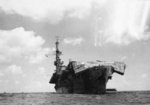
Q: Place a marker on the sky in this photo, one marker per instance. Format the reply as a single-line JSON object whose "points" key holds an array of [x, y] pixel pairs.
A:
{"points": [[89, 30]]}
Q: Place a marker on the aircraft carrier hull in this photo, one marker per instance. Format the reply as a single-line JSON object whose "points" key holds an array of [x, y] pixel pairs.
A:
{"points": [[90, 81]]}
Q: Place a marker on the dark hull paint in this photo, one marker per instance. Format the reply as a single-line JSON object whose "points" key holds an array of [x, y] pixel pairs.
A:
{"points": [[92, 81]]}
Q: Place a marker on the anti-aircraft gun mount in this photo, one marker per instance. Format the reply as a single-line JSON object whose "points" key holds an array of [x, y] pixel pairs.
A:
{"points": [[83, 78]]}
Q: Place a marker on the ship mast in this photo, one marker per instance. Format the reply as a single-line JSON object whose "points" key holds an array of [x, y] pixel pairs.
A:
{"points": [[58, 63]]}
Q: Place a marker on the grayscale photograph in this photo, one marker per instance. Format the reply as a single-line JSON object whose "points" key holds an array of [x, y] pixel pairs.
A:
{"points": [[74, 52]]}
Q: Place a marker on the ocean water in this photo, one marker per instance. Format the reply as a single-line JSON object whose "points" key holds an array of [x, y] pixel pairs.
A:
{"points": [[114, 98]]}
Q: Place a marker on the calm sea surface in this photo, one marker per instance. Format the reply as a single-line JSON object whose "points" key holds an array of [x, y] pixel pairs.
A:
{"points": [[115, 98]]}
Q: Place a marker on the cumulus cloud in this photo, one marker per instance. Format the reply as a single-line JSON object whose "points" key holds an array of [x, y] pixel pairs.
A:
{"points": [[21, 44], [73, 41], [52, 10]]}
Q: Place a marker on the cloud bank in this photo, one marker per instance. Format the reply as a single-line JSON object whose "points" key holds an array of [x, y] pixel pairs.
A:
{"points": [[21, 44], [51, 10], [21, 56], [121, 21]]}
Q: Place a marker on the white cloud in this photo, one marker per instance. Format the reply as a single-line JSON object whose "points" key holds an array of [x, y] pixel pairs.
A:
{"points": [[14, 69], [18, 47], [127, 19], [52, 10], [127, 23], [73, 41], [21, 44]]}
